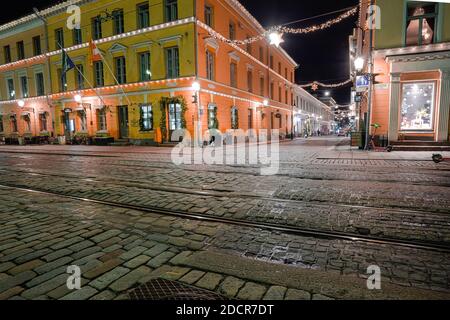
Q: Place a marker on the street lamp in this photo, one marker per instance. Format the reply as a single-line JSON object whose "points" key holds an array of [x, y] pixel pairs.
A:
{"points": [[327, 93], [77, 98], [196, 86], [21, 103], [265, 102], [359, 64]]}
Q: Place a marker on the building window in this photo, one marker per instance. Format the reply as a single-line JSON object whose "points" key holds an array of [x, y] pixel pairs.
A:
{"points": [[272, 91], [248, 46], [20, 50], [83, 120], [40, 88], [261, 54], [121, 70], [97, 28], [118, 23], [233, 74], [210, 65], [175, 113], [1, 124], [271, 62], [62, 80], [143, 15], [232, 30], [234, 118], [421, 24], [286, 96], [250, 80], [101, 119], [59, 39], [7, 53], [209, 16], [145, 67], [11, 90], [99, 75], [212, 116], [43, 122], [37, 50], [77, 37], [171, 10], [279, 93], [24, 86], [14, 127], [250, 118], [79, 77], [146, 118], [417, 106], [27, 120], [261, 86], [172, 63], [279, 68]]}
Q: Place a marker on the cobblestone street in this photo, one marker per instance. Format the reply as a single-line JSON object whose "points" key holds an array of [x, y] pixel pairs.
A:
{"points": [[126, 215]]}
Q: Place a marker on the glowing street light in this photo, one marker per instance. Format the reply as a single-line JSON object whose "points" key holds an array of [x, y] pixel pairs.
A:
{"points": [[21, 103], [359, 63], [327, 93], [276, 38], [196, 86], [77, 98], [266, 102]]}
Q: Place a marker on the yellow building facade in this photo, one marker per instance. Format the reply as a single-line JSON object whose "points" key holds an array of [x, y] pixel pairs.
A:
{"points": [[152, 53]]}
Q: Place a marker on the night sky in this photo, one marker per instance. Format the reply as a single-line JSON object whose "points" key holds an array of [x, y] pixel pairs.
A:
{"points": [[322, 55]]}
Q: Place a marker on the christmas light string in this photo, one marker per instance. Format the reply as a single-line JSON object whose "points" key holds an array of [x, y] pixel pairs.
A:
{"points": [[282, 29], [315, 84]]}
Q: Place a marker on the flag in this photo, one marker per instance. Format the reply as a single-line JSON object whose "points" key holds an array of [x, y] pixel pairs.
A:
{"points": [[95, 53], [67, 63]]}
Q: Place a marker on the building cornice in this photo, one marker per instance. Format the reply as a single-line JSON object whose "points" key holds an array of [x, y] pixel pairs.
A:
{"points": [[431, 48]]}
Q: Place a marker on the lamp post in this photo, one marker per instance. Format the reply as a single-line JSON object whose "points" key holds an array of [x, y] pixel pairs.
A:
{"points": [[196, 88]]}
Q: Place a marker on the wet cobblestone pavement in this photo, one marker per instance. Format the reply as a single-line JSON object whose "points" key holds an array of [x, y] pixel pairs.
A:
{"points": [[118, 248]]}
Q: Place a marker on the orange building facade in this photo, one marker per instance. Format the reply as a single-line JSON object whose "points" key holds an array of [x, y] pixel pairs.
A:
{"points": [[153, 54]]}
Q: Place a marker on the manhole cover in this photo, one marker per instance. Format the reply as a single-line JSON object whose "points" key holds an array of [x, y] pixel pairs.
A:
{"points": [[162, 289]]}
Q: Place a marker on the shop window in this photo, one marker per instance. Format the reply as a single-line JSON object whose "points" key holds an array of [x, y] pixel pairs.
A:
{"points": [[101, 120], [146, 118], [421, 23], [417, 110], [234, 118], [43, 122]]}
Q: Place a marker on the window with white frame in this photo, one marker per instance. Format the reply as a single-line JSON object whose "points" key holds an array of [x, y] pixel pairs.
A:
{"points": [[101, 120], [417, 109], [210, 65], [421, 23], [146, 117]]}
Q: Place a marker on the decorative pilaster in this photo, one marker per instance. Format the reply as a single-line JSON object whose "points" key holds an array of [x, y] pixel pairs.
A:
{"points": [[394, 105], [444, 107]]}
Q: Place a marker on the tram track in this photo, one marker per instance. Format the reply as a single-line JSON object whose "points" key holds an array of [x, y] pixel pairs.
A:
{"points": [[333, 235], [217, 192]]}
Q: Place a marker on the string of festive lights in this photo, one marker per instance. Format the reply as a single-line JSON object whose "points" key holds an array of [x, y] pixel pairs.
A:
{"points": [[275, 34], [315, 84]]}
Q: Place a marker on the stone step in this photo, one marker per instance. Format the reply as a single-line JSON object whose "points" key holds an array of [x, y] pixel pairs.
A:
{"points": [[420, 148], [420, 143]]}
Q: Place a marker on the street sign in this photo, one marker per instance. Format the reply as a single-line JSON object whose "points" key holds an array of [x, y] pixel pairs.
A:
{"points": [[362, 83]]}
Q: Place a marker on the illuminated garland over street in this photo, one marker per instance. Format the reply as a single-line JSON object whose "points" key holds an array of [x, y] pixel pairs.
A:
{"points": [[315, 85], [275, 34]]}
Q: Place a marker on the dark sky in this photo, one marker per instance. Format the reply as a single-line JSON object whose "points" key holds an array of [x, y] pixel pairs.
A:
{"points": [[322, 55]]}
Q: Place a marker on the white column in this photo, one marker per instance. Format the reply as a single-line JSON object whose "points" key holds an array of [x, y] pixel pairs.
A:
{"points": [[394, 105], [444, 107]]}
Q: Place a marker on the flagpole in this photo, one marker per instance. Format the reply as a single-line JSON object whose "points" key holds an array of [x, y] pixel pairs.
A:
{"points": [[115, 79]]}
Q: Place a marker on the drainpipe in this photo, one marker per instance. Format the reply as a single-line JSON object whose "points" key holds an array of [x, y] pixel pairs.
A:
{"points": [[49, 74], [369, 103]]}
